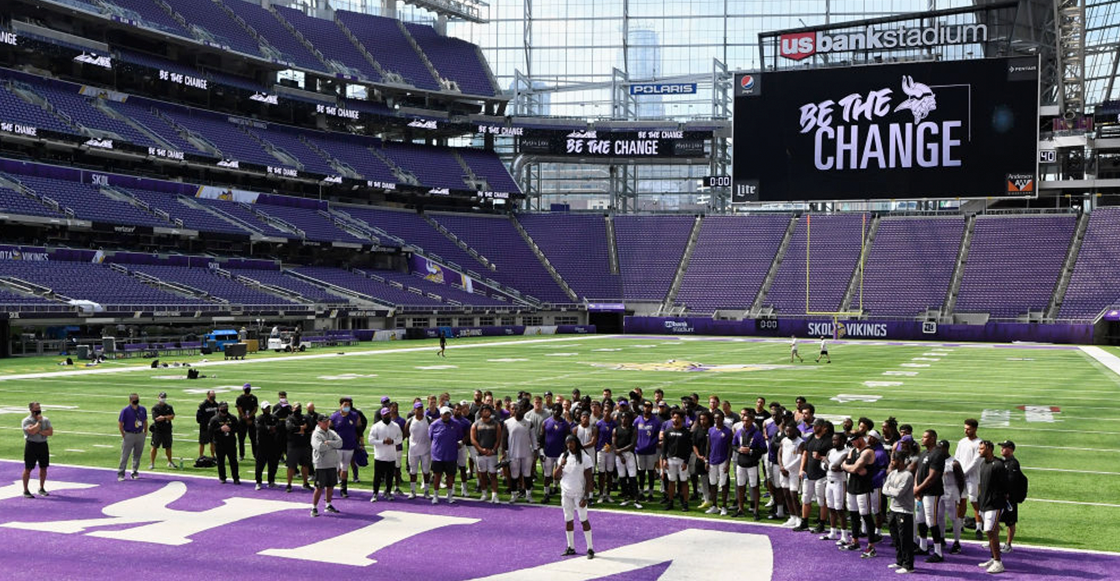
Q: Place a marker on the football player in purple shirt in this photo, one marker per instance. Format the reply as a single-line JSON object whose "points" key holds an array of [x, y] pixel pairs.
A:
{"points": [[718, 462], [555, 430]]}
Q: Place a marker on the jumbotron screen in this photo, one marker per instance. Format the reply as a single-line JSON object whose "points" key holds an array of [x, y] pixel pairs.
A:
{"points": [[964, 129]]}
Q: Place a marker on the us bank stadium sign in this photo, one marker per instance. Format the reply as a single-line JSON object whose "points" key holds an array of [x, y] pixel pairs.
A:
{"points": [[800, 45]]}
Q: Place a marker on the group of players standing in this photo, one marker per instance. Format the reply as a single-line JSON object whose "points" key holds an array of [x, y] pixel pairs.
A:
{"points": [[859, 477]]}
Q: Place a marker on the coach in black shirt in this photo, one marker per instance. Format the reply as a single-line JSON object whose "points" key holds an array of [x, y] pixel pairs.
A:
{"points": [[162, 414]]}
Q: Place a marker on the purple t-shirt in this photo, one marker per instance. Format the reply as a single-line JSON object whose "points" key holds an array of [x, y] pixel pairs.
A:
{"points": [[719, 444], [647, 431], [347, 428], [445, 440], [400, 423], [555, 432], [133, 420], [882, 462], [464, 428], [606, 433]]}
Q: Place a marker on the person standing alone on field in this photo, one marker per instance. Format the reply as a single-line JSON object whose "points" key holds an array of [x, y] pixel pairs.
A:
{"points": [[793, 349], [824, 350], [36, 429], [133, 424], [442, 345], [162, 414]]}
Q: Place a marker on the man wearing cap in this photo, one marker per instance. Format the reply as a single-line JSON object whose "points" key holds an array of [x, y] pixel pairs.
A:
{"points": [[297, 431], [1010, 515], [519, 445], [345, 424], [486, 435], [36, 429], [419, 448], [266, 449], [647, 428], [162, 414], [325, 444], [246, 413], [928, 488], [206, 411], [133, 424], [223, 432], [992, 499], [384, 436], [447, 437]]}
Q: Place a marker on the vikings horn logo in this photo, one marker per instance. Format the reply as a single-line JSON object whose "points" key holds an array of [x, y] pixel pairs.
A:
{"points": [[921, 101]]}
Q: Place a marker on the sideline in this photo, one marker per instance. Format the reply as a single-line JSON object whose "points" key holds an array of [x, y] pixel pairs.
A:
{"points": [[1103, 357], [79, 373]]}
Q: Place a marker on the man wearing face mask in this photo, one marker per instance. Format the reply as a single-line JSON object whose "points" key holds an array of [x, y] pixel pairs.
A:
{"points": [[133, 424], [162, 414], [246, 414], [205, 413], [346, 424], [223, 431], [266, 451], [282, 409], [298, 429], [384, 435]]}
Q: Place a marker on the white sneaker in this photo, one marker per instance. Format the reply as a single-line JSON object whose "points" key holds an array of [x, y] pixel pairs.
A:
{"points": [[151, 466], [427, 494], [171, 465], [389, 496], [904, 571], [986, 564], [723, 511], [411, 495], [789, 524], [529, 497], [435, 500], [482, 497], [712, 510], [1005, 548], [494, 499], [451, 500], [892, 566], [996, 567], [373, 498], [770, 504]]}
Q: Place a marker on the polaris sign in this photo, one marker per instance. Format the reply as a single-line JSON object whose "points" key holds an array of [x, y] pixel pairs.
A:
{"points": [[663, 89], [800, 45]]}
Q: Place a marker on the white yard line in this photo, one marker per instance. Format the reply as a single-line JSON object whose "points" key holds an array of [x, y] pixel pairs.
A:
{"points": [[1104, 504], [305, 357]]}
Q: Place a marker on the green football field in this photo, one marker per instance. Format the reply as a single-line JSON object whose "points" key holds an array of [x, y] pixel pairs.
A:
{"points": [[1059, 405]]}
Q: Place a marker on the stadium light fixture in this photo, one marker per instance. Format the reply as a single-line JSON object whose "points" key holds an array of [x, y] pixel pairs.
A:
{"points": [[475, 11]]}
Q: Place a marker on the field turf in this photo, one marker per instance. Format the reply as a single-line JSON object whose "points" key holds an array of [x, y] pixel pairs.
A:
{"points": [[1069, 454]]}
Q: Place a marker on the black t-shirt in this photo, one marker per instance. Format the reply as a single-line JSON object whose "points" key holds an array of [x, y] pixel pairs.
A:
{"points": [[292, 424], [247, 403], [993, 485], [813, 468], [857, 483], [206, 410], [700, 438], [624, 437], [929, 461], [678, 443], [760, 417], [162, 409]]}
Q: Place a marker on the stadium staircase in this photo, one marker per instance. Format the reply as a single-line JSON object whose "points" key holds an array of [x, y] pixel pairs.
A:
{"points": [[678, 278], [1067, 269], [459, 242], [343, 168], [472, 179], [385, 75], [306, 43], [284, 157], [123, 196], [278, 223], [14, 185], [403, 176], [756, 307], [544, 260], [174, 288], [194, 139], [110, 112], [338, 290], [856, 283], [612, 246], [267, 49], [191, 203], [958, 270], [423, 57]]}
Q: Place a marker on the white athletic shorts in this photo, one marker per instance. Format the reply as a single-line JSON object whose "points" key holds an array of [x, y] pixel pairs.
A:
{"points": [[647, 461], [423, 461], [486, 464], [876, 500], [605, 461], [860, 503], [775, 473], [519, 467], [746, 476], [463, 457], [626, 464], [344, 458], [834, 494], [791, 482], [991, 520], [813, 490], [949, 503], [677, 469], [719, 474], [571, 507], [397, 462], [548, 464], [972, 487]]}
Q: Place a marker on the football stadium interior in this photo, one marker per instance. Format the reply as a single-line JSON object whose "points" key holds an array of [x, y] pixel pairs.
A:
{"points": [[316, 195]]}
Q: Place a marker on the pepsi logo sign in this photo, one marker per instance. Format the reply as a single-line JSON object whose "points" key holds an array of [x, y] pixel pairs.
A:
{"points": [[747, 82]]}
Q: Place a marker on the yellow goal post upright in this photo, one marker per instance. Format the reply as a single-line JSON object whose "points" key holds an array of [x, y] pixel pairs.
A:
{"points": [[835, 315]]}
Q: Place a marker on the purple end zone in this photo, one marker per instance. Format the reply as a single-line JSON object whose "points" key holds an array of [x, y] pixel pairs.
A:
{"points": [[183, 528]]}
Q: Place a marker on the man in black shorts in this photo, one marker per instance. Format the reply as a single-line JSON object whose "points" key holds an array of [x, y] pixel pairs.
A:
{"points": [[206, 410], [36, 430], [1010, 516], [442, 345], [162, 414]]}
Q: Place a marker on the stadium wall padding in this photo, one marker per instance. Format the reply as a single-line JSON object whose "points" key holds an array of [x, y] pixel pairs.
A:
{"points": [[882, 330]]}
